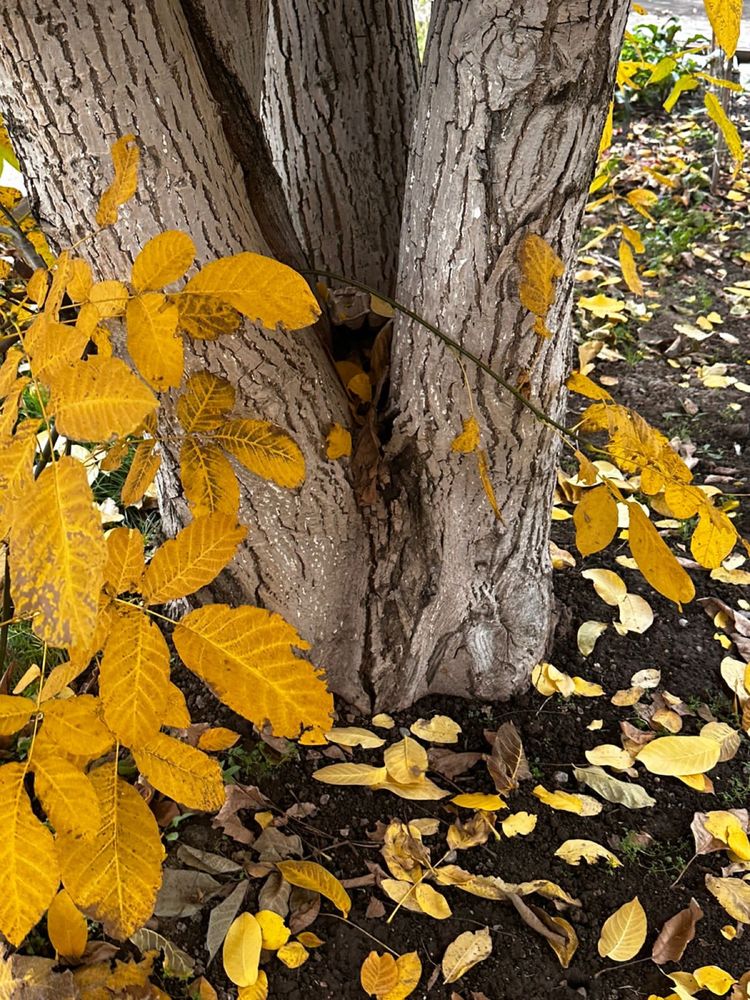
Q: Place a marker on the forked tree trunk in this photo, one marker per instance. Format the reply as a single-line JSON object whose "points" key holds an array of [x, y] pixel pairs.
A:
{"points": [[432, 594], [73, 78], [512, 104], [339, 103]]}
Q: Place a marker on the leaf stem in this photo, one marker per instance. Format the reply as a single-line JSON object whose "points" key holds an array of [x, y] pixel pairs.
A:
{"points": [[7, 612], [395, 304], [350, 923]]}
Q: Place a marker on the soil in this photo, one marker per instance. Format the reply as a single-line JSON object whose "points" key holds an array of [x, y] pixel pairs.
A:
{"points": [[681, 643]]}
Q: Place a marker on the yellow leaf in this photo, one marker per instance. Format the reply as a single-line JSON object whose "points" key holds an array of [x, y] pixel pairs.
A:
{"points": [[176, 713], [115, 876], [28, 859], [264, 449], [519, 823], [353, 736], [634, 238], [685, 82], [75, 725], [274, 931], [181, 772], [338, 443], [125, 563], [478, 800], [728, 129], [293, 955], [420, 898], [714, 537], [309, 875], [378, 974], [204, 317], [603, 307], [258, 991], [245, 656], [406, 761], [208, 479], [595, 519], [726, 827], [100, 398], [608, 585], [484, 478], [623, 933], [109, 298], [732, 893], [680, 755], [217, 739], [606, 140], [468, 439], [641, 200], [572, 851], [564, 801], [725, 17], [15, 712], [141, 473], [163, 260], [712, 978], [540, 268], [584, 386], [609, 755], [134, 678], [57, 555], [66, 927], [655, 560], [52, 347], [351, 774], [153, 341], [629, 269], [260, 288], [66, 793], [125, 159], [424, 790], [80, 280], [310, 940], [438, 729], [241, 950], [192, 559], [409, 970], [204, 404], [464, 953]]}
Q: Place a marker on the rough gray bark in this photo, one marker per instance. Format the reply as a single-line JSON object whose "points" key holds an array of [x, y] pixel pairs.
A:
{"points": [[512, 104], [340, 95], [75, 77], [432, 594]]}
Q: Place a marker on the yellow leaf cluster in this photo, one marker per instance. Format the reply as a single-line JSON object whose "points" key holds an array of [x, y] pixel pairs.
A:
{"points": [[540, 269]]}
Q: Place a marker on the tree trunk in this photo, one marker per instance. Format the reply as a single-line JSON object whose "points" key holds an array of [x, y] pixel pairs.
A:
{"points": [[75, 77], [512, 105], [340, 95]]}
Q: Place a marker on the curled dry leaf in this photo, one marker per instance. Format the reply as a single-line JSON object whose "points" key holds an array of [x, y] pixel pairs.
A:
{"points": [[438, 729], [574, 851], [676, 934], [451, 764], [382, 721], [507, 762], [608, 585], [646, 679], [465, 952], [557, 932], [587, 635], [623, 933]]}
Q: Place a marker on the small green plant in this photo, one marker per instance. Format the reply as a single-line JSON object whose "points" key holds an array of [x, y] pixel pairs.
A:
{"points": [[248, 764]]}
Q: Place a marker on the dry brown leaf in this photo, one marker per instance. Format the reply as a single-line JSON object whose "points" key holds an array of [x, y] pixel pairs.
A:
{"points": [[676, 934]]}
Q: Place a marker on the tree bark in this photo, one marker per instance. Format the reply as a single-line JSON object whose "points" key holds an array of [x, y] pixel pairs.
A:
{"points": [[75, 77], [340, 96], [512, 105]]}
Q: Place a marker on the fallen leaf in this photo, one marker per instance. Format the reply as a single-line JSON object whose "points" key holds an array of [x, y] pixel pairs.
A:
{"points": [[646, 679], [608, 585], [573, 851], [564, 801], [676, 934], [733, 894], [519, 823], [612, 789], [609, 755], [676, 755], [587, 635], [378, 974], [465, 952], [623, 933], [507, 762], [406, 761], [355, 737], [382, 721], [479, 800], [241, 951], [293, 955], [636, 614], [310, 875], [351, 774], [221, 917], [438, 729]]}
